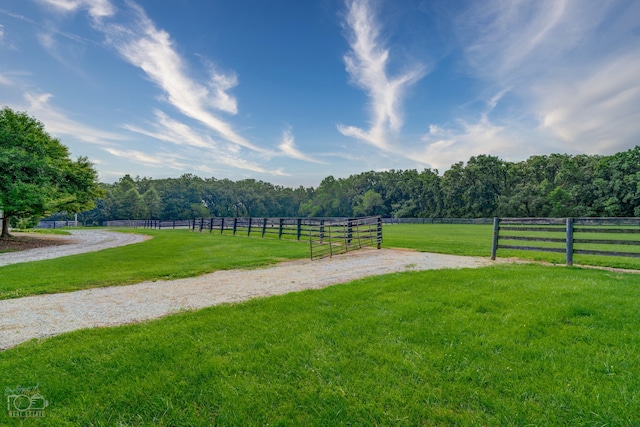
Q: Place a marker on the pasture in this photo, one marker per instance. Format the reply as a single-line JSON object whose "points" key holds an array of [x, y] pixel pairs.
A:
{"points": [[505, 345]]}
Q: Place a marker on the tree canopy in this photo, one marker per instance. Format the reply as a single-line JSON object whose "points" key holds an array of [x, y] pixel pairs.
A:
{"points": [[37, 176], [555, 185]]}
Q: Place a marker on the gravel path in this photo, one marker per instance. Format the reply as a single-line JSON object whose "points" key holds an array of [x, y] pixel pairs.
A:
{"points": [[83, 241], [47, 315]]}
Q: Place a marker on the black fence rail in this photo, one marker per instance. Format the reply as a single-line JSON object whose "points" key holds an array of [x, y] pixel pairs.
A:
{"points": [[586, 236], [390, 221], [333, 237], [288, 222], [282, 228], [56, 224]]}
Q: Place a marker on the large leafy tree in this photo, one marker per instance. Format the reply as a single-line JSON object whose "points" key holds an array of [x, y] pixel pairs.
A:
{"points": [[37, 176]]}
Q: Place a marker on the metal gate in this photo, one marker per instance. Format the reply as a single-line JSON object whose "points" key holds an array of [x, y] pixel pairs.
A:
{"points": [[332, 237]]}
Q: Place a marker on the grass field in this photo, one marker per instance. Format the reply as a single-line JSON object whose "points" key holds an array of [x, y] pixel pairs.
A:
{"points": [[475, 240], [504, 345], [174, 254], [509, 345], [171, 254]]}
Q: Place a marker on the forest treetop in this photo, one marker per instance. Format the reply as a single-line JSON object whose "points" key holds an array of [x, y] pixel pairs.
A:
{"points": [[556, 185]]}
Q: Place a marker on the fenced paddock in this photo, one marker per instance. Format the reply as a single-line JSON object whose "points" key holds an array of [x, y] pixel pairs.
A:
{"points": [[583, 236], [326, 236]]}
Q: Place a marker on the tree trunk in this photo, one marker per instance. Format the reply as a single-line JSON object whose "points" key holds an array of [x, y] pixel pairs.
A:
{"points": [[5, 227]]}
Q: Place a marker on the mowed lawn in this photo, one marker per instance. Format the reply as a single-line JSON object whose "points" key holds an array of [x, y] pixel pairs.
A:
{"points": [[476, 239], [170, 254], [508, 345], [503, 345]]}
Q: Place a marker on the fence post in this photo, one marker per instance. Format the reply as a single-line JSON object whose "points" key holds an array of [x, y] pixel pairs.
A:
{"points": [[249, 228], [264, 226], [280, 228], [299, 228], [193, 227], [494, 245], [211, 225], [221, 224], [235, 225], [569, 241], [379, 232]]}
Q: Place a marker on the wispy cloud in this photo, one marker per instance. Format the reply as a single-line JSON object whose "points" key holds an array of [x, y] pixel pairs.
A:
{"points": [[97, 8], [288, 147], [568, 68], [598, 113], [219, 154], [169, 160], [445, 146], [58, 123], [151, 49], [366, 64], [167, 129]]}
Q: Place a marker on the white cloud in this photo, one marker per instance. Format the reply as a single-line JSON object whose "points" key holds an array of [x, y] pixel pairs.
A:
{"points": [[366, 64], [568, 68], [58, 123], [597, 113], [170, 130], [288, 147], [445, 146], [96, 8], [152, 50], [161, 160]]}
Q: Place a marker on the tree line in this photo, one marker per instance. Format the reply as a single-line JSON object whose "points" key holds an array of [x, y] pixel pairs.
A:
{"points": [[556, 185]]}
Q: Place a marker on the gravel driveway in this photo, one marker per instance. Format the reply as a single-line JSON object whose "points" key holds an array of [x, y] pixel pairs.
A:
{"points": [[82, 241], [46, 315]]}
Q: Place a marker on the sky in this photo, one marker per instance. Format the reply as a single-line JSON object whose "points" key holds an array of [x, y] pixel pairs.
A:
{"points": [[290, 91]]}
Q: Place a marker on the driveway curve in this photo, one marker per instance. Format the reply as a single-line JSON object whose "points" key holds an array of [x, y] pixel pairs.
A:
{"points": [[80, 241]]}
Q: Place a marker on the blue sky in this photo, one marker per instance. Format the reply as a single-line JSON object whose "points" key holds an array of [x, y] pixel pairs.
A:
{"points": [[290, 91]]}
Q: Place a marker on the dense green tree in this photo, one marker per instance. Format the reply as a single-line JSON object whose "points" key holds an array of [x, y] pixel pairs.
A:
{"points": [[484, 186], [37, 175]]}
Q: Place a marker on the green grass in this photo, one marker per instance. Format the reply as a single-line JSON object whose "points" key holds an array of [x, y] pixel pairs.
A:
{"points": [[507, 345], [170, 254], [475, 240]]}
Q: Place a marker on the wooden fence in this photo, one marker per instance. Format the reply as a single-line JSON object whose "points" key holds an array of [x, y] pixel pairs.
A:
{"points": [[543, 231], [333, 237], [189, 223], [389, 221], [282, 228], [326, 236], [56, 224]]}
